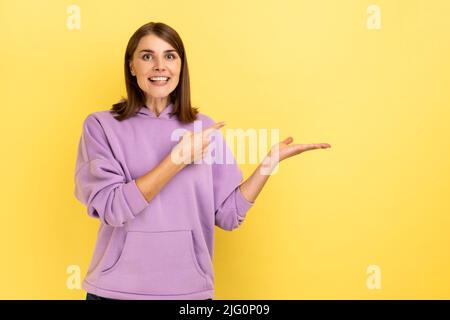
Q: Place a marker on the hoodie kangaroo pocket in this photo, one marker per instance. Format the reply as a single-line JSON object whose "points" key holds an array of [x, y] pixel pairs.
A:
{"points": [[160, 263]]}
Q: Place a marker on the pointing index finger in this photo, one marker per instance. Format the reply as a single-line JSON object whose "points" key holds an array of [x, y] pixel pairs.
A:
{"points": [[215, 126]]}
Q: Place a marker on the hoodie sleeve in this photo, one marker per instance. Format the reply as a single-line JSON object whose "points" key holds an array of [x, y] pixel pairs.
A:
{"points": [[100, 182], [230, 205]]}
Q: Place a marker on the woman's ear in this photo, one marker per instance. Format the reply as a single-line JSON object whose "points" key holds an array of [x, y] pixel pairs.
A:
{"points": [[131, 69]]}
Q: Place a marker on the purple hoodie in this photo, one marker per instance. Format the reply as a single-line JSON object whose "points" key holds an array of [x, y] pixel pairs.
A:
{"points": [[162, 249]]}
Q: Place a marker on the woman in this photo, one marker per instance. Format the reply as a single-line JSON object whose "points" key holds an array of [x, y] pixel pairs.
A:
{"points": [[156, 196]]}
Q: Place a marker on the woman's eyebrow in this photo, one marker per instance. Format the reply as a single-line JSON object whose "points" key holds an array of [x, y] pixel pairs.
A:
{"points": [[149, 50]]}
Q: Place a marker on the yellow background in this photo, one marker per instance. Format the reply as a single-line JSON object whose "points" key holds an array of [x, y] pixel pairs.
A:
{"points": [[381, 98]]}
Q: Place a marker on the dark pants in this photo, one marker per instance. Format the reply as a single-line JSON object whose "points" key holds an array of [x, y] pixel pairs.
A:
{"points": [[91, 296]]}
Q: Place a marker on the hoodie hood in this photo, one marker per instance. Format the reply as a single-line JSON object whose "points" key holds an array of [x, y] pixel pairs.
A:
{"points": [[165, 114]]}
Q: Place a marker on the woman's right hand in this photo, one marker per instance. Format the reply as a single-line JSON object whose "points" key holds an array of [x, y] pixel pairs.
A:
{"points": [[192, 146]]}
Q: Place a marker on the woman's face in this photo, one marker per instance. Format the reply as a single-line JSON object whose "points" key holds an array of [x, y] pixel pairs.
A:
{"points": [[155, 57]]}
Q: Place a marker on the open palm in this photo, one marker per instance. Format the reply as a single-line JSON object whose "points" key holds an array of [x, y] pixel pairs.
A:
{"points": [[286, 149]]}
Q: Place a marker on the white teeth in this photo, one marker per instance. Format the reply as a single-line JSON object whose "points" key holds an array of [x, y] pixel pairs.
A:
{"points": [[158, 78]]}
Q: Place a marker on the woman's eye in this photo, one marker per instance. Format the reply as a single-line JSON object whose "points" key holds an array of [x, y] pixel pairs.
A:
{"points": [[169, 55]]}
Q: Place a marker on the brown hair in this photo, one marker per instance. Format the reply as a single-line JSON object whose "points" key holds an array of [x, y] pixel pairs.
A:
{"points": [[180, 96]]}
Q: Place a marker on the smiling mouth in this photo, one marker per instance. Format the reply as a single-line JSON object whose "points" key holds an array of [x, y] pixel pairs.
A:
{"points": [[159, 80]]}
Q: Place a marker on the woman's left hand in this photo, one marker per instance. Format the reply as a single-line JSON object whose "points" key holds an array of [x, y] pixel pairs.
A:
{"points": [[285, 149]]}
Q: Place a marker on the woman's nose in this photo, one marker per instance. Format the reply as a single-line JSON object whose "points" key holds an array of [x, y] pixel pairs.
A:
{"points": [[159, 64]]}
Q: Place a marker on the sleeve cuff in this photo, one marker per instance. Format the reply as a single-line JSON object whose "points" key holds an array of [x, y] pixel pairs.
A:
{"points": [[134, 197]]}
